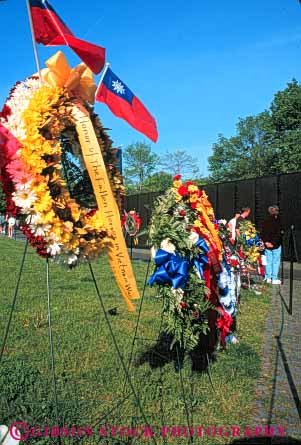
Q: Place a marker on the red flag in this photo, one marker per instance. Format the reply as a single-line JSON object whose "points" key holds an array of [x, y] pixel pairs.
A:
{"points": [[124, 104], [50, 30]]}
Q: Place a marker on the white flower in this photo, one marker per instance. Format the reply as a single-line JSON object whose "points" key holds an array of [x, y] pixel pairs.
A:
{"points": [[39, 229], [179, 294], [32, 216], [54, 248], [24, 198], [193, 237], [168, 246], [222, 221], [23, 186], [18, 102]]}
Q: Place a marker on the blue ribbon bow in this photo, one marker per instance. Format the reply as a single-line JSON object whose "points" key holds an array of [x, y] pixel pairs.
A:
{"points": [[171, 268]]}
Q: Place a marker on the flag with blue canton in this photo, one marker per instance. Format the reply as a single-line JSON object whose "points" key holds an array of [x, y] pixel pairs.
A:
{"points": [[124, 104]]}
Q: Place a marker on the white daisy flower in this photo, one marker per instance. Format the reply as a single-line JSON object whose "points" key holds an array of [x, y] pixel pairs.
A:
{"points": [[23, 186], [32, 216], [18, 102], [54, 248], [39, 229], [24, 198]]}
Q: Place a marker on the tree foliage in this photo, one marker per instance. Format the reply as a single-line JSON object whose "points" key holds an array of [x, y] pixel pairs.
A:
{"points": [[266, 144], [180, 162], [158, 182], [140, 163], [146, 171]]}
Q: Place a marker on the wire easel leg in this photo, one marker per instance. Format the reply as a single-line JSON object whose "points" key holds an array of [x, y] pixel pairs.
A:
{"points": [[137, 325], [51, 347], [183, 394], [125, 370], [139, 315], [14, 301]]}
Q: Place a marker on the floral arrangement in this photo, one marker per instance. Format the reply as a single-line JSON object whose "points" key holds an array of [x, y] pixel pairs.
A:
{"points": [[38, 139], [131, 222], [233, 254], [250, 242], [187, 250]]}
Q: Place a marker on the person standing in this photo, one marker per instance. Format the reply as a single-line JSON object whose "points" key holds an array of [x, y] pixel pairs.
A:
{"points": [[244, 214], [11, 225], [232, 225], [271, 237], [2, 222]]}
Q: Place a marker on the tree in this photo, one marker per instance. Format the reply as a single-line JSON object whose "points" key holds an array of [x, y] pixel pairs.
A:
{"points": [[2, 200], [158, 182], [265, 144], [286, 117], [180, 162], [140, 163]]}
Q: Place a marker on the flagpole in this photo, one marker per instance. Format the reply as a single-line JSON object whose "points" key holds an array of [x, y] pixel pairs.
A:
{"points": [[102, 77], [35, 50]]}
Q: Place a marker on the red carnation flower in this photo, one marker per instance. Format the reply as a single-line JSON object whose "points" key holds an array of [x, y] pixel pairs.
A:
{"points": [[183, 190], [177, 177], [182, 213], [234, 262], [6, 111], [183, 305]]}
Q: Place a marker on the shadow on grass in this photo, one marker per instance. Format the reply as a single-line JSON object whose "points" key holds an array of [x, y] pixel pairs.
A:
{"points": [[161, 354], [267, 441]]}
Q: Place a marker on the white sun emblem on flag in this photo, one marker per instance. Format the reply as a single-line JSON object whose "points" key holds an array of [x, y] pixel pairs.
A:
{"points": [[118, 87]]}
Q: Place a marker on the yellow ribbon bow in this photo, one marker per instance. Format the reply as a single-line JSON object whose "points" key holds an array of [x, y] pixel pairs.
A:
{"points": [[79, 79]]}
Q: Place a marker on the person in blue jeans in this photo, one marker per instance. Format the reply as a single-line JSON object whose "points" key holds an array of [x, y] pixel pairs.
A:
{"points": [[271, 236]]}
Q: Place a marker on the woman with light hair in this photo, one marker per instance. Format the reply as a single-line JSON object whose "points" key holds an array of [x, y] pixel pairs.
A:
{"points": [[271, 236]]}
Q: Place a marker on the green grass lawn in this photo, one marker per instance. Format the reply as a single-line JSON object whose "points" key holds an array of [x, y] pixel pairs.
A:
{"points": [[89, 376]]}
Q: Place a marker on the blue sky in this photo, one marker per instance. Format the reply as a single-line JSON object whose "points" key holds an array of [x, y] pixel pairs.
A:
{"points": [[197, 65]]}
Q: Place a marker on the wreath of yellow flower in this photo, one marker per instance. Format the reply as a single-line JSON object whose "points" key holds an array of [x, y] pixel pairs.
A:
{"points": [[250, 241], [70, 232]]}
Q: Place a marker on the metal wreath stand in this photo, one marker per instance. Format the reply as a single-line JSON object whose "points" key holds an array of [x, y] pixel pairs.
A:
{"points": [[128, 385]]}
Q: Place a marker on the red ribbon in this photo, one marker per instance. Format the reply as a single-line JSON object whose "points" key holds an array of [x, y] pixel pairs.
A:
{"points": [[224, 323]]}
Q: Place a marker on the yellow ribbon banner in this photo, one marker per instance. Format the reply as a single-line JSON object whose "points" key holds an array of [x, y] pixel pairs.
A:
{"points": [[79, 80], [118, 254]]}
